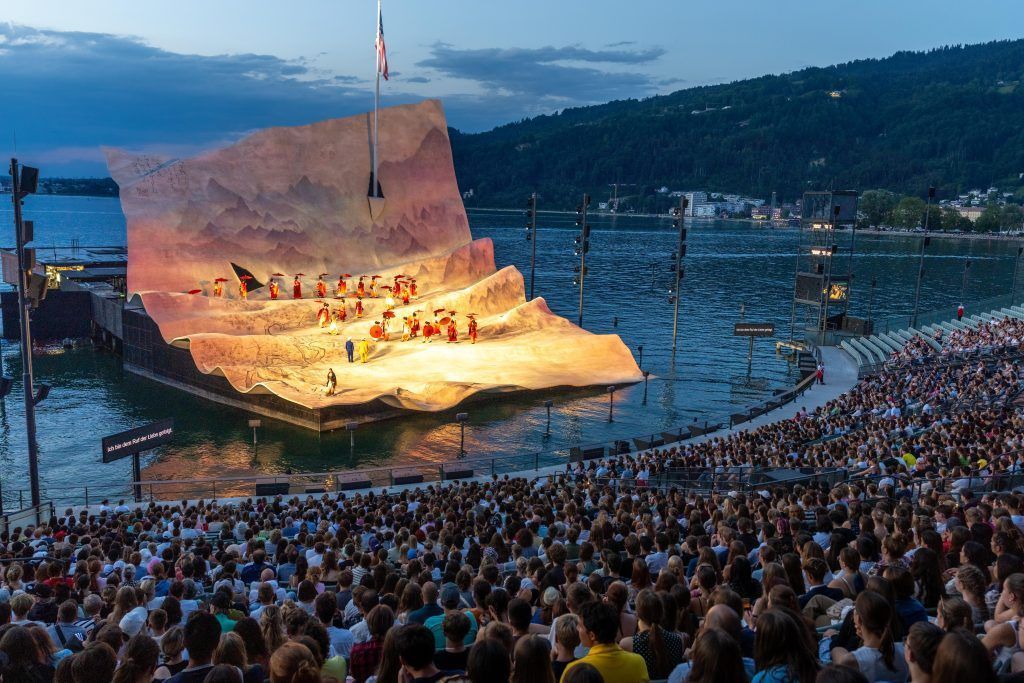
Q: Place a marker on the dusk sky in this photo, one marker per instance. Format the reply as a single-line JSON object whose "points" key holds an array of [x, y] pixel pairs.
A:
{"points": [[179, 77]]}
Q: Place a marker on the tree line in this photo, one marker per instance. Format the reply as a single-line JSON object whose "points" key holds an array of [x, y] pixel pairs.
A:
{"points": [[880, 208]]}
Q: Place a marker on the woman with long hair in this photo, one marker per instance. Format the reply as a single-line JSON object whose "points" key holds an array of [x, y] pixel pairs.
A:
{"points": [[532, 661], [256, 652], [139, 663], [971, 583], [661, 649], [617, 596], [410, 601], [927, 573], [962, 657], [781, 650], [390, 668], [24, 659], [716, 658], [880, 657], [272, 626]]}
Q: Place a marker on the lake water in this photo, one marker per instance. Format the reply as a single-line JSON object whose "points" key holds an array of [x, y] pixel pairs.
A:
{"points": [[728, 263]]}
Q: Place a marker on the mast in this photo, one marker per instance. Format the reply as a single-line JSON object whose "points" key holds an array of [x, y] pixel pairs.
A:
{"points": [[376, 102]]}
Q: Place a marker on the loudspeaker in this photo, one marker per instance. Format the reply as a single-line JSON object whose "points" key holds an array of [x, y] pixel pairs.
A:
{"points": [[35, 289], [275, 488], [29, 180]]}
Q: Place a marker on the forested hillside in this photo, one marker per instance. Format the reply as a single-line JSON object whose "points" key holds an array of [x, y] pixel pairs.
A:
{"points": [[951, 117]]}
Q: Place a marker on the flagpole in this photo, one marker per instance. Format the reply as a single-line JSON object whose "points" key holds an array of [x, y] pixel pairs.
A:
{"points": [[376, 103]]}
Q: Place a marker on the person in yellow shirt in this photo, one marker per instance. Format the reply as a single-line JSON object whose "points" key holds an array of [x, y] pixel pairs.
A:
{"points": [[598, 627]]}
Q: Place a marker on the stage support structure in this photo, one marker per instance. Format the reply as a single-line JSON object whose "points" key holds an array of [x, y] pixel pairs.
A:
{"points": [[680, 253]]}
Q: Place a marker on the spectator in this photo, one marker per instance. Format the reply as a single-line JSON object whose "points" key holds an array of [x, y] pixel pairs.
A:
{"points": [[567, 639], [293, 663], [598, 629], [366, 656], [532, 661], [781, 650], [961, 657], [922, 642], [202, 634], [661, 650], [414, 644], [454, 655], [879, 658], [138, 665]]}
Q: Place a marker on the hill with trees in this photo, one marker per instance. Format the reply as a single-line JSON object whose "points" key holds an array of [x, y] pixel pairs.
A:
{"points": [[950, 118]]}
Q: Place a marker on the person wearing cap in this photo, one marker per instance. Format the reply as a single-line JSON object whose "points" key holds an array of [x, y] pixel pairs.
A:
{"points": [[43, 610], [451, 601], [350, 350]]}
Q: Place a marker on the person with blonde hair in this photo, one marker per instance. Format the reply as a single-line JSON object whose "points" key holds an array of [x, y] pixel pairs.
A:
{"points": [[293, 663], [139, 663], [172, 645]]}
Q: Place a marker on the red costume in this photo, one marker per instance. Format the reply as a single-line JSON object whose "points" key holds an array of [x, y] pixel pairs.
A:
{"points": [[243, 289], [342, 313], [428, 331], [405, 296], [412, 289], [414, 327], [342, 286], [275, 289], [321, 289], [323, 316], [472, 330], [359, 308], [218, 289], [361, 289], [453, 331], [296, 289]]}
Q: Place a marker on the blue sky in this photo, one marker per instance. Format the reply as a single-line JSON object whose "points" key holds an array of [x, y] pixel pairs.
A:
{"points": [[183, 76]]}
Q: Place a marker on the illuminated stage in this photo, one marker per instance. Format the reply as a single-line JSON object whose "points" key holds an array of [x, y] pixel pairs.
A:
{"points": [[294, 200]]}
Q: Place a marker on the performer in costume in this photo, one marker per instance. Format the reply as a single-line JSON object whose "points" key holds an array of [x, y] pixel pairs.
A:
{"points": [[363, 349], [405, 295], [275, 289], [412, 288], [333, 329], [342, 287], [243, 290], [453, 331], [218, 289], [342, 313], [321, 288], [359, 308], [384, 326], [361, 288], [323, 316], [472, 330], [389, 302], [296, 288], [414, 326], [428, 332], [406, 334], [332, 382], [374, 288]]}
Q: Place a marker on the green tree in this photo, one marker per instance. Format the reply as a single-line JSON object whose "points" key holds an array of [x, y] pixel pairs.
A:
{"points": [[877, 207], [1010, 217], [952, 220], [989, 220], [909, 213]]}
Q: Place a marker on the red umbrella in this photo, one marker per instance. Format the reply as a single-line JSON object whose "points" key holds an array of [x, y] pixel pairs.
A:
{"points": [[300, 275], [346, 274], [245, 277], [220, 279], [389, 314], [387, 287], [194, 291], [376, 276], [444, 321], [451, 312], [277, 275], [438, 310], [471, 314], [323, 274]]}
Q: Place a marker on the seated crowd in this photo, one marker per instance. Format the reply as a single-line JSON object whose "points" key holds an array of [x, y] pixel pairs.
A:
{"points": [[1004, 332], [908, 568]]}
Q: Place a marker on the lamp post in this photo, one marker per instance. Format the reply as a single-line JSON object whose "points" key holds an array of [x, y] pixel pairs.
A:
{"points": [[254, 425], [351, 427], [680, 253], [925, 241], [24, 180], [461, 419], [582, 247], [647, 374], [547, 431], [640, 351], [531, 236], [611, 402]]}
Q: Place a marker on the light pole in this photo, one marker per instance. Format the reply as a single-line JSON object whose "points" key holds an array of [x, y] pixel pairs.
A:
{"points": [[255, 424], [1016, 267], [351, 427], [461, 419], [647, 374], [24, 180], [582, 247], [611, 402], [680, 253], [925, 241], [547, 431], [963, 286], [640, 350], [531, 236]]}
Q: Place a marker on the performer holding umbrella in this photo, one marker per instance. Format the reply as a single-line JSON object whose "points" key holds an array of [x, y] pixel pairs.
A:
{"points": [[412, 287], [297, 286], [359, 307], [453, 330], [218, 286], [472, 328], [361, 287], [274, 286], [321, 286], [342, 284], [323, 316], [414, 324], [374, 291], [387, 317], [243, 286]]}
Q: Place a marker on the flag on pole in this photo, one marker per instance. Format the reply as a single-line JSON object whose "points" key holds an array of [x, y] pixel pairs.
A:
{"points": [[382, 52]]}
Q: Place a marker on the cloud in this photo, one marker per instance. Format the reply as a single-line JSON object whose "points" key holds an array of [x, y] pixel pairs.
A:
{"points": [[621, 43], [552, 73], [73, 91], [417, 79]]}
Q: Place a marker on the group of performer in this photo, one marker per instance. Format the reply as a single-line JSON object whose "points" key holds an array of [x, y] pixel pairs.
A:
{"points": [[404, 288]]}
